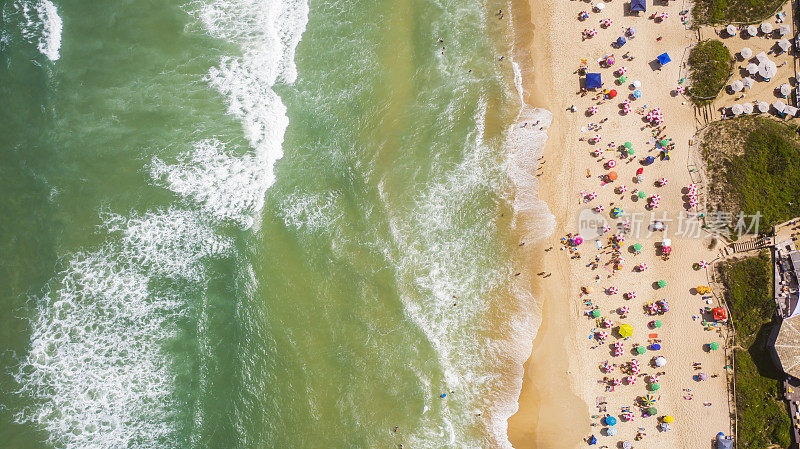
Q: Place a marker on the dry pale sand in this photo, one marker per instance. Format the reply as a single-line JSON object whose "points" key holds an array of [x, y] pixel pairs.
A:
{"points": [[561, 383]]}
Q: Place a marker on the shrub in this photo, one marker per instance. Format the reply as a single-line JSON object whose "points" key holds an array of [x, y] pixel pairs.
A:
{"points": [[711, 65]]}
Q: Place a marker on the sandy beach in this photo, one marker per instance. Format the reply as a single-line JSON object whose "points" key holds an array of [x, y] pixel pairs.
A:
{"points": [[558, 406]]}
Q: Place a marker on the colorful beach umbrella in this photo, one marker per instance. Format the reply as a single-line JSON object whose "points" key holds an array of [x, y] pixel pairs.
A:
{"points": [[622, 79], [612, 93], [611, 164], [610, 420], [649, 399], [628, 145], [668, 419], [652, 411]]}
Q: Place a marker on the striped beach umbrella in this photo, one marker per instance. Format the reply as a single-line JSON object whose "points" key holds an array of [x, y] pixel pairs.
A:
{"points": [[626, 108], [607, 323], [634, 362], [622, 188], [636, 370], [591, 32], [592, 110], [655, 198], [693, 203], [616, 382], [702, 264], [662, 182], [591, 195], [612, 290], [653, 378], [599, 208], [623, 310], [653, 307], [622, 70], [663, 16], [680, 90], [597, 138], [611, 164], [606, 228], [630, 295], [642, 266], [602, 335], [607, 367], [630, 380], [692, 187], [606, 23], [583, 15], [628, 416]]}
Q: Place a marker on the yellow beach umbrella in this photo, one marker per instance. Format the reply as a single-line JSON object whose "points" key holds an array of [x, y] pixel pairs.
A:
{"points": [[626, 330], [668, 419]]}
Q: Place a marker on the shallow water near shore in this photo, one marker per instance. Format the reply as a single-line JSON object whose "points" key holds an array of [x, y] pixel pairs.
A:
{"points": [[258, 224]]}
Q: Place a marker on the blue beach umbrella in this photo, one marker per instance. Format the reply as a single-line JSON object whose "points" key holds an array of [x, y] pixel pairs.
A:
{"points": [[611, 431], [592, 440], [663, 59], [638, 6], [593, 81], [621, 41], [655, 346], [637, 93], [610, 421]]}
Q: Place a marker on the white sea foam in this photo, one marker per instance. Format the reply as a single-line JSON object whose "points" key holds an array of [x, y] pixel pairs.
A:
{"points": [[310, 212], [96, 369], [229, 186], [43, 26]]}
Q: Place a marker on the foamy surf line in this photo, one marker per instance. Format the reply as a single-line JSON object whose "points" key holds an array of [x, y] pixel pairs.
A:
{"points": [[97, 370]]}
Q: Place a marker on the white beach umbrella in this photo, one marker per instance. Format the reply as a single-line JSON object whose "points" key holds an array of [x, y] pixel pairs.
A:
{"points": [[752, 68], [746, 52], [666, 242], [731, 30], [737, 109], [762, 106], [748, 108], [767, 69], [783, 29], [766, 27], [748, 82], [790, 110], [752, 30], [600, 6], [660, 361], [737, 85], [784, 44], [779, 106], [785, 89], [637, 84]]}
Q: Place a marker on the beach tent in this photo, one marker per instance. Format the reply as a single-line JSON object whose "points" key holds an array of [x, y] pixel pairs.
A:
{"points": [[663, 58], [752, 68], [784, 44], [783, 29], [779, 106], [719, 314], [593, 81], [638, 5], [723, 442], [790, 110], [592, 440], [761, 57], [748, 82]]}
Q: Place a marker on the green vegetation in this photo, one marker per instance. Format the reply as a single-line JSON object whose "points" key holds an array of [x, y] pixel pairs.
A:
{"points": [[754, 167], [724, 11], [763, 418], [711, 65]]}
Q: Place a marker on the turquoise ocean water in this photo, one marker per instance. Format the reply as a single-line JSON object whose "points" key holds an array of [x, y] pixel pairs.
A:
{"points": [[258, 224]]}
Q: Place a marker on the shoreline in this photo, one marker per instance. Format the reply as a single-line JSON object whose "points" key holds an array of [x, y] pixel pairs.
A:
{"points": [[538, 423]]}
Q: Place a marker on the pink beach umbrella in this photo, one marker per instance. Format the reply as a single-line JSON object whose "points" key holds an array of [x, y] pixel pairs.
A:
{"points": [[611, 164], [642, 267], [607, 323], [599, 208], [602, 335], [592, 110], [616, 382], [606, 228], [612, 290], [597, 138], [630, 295], [702, 264], [653, 378], [621, 70], [626, 108], [591, 195], [662, 182], [628, 416], [605, 23], [663, 16], [630, 380], [624, 309], [653, 307], [680, 90]]}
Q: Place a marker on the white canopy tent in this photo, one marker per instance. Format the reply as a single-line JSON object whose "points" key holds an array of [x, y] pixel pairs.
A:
{"points": [[748, 108], [737, 86], [766, 27], [746, 52], [737, 109]]}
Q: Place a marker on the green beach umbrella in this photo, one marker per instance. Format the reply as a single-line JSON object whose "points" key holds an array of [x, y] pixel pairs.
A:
{"points": [[662, 284], [596, 313], [623, 78], [641, 194], [637, 247], [654, 386], [664, 142], [640, 350], [652, 411], [714, 346], [628, 145], [631, 152], [657, 323]]}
